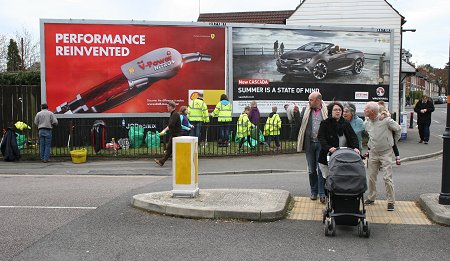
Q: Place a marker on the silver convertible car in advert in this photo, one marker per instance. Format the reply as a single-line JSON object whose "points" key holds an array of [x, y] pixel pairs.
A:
{"points": [[319, 59]]}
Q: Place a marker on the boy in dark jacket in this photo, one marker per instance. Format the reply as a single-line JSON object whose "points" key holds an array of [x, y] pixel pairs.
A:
{"points": [[174, 128]]}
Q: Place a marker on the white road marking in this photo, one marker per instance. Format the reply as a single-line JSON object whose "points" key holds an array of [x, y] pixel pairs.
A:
{"points": [[48, 207]]}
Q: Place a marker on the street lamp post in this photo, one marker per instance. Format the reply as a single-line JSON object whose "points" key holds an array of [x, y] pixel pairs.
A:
{"points": [[444, 197]]}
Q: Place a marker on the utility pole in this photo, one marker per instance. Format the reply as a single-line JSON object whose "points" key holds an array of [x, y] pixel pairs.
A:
{"points": [[444, 197], [23, 64]]}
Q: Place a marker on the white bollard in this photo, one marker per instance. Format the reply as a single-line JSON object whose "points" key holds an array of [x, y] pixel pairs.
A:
{"points": [[185, 166]]}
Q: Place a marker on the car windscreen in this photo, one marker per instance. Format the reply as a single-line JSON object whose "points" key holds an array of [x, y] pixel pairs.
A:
{"points": [[314, 47]]}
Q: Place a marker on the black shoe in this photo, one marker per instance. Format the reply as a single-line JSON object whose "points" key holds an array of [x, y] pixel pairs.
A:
{"points": [[313, 197], [420, 141], [390, 207], [369, 202], [425, 142]]}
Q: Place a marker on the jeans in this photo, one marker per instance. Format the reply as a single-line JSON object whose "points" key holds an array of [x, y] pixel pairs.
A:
{"points": [[424, 131], [276, 138], [224, 131], [196, 131], [45, 143], [316, 181]]}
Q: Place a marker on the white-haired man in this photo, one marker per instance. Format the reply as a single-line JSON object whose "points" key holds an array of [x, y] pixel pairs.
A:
{"points": [[380, 142]]}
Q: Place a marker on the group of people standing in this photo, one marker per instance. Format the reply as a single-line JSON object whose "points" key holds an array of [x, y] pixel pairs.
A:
{"points": [[323, 129], [248, 127], [320, 131], [190, 119]]}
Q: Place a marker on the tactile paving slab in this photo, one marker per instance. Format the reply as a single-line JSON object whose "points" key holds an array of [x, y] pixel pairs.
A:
{"points": [[406, 212]]}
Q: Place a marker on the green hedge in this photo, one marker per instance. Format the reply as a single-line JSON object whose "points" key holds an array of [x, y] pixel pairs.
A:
{"points": [[20, 78]]}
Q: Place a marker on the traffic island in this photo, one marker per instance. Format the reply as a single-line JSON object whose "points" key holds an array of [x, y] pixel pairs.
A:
{"points": [[435, 211], [247, 204]]}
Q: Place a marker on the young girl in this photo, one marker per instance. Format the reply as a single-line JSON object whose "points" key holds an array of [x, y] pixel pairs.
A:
{"points": [[243, 128], [186, 126]]}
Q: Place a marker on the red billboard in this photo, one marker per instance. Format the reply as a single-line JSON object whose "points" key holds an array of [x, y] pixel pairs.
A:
{"points": [[124, 68]]}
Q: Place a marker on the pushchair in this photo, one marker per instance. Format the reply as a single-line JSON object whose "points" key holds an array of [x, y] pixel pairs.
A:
{"points": [[345, 187]]}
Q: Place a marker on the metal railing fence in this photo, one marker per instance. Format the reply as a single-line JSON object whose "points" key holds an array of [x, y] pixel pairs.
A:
{"points": [[144, 140]]}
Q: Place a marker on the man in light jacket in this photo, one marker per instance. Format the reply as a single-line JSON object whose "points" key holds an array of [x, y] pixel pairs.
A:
{"points": [[380, 142], [314, 113]]}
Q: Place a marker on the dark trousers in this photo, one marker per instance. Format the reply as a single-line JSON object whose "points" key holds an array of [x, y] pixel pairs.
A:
{"points": [[424, 131], [197, 131], [276, 138], [168, 152], [241, 142], [293, 134], [224, 132]]}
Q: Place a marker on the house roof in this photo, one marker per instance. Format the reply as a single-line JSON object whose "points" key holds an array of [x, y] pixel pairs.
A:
{"points": [[261, 17], [264, 17], [408, 68]]}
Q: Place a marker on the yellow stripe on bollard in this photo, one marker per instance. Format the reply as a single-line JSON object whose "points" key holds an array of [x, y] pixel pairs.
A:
{"points": [[183, 166]]}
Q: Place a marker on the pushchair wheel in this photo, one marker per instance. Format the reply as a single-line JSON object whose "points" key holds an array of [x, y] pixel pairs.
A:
{"points": [[330, 227], [363, 229]]}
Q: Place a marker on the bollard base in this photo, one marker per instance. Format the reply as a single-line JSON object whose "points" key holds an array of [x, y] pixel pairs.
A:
{"points": [[185, 193], [444, 198]]}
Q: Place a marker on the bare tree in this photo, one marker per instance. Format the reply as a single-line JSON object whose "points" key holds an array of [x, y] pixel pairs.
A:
{"points": [[29, 51], [3, 52]]}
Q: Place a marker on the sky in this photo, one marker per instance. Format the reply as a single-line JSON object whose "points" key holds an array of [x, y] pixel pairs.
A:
{"points": [[428, 45]]}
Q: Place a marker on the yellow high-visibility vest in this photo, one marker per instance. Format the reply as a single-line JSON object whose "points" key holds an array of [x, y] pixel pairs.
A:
{"points": [[244, 126], [198, 111], [223, 112], [273, 125]]}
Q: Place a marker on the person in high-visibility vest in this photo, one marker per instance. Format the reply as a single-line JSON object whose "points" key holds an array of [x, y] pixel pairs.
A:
{"points": [[198, 114], [244, 127], [272, 128], [223, 112]]}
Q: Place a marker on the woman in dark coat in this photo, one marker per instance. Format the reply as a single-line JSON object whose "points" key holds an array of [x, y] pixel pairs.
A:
{"points": [[335, 132]]}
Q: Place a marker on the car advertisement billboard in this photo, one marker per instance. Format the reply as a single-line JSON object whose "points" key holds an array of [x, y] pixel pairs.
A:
{"points": [[128, 68], [276, 66]]}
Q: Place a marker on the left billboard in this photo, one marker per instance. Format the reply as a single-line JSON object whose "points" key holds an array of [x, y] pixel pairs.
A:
{"points": [[128, 68]]}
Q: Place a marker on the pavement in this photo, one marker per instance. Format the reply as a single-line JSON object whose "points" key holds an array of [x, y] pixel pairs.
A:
{"points": [[410, 150]]}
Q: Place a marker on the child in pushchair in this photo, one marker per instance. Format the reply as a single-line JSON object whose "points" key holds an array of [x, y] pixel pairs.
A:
{"points": [[345, 186]]}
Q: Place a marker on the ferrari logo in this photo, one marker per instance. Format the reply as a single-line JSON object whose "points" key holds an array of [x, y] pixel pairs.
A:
{"points": [[213, 36], [131, 70]]}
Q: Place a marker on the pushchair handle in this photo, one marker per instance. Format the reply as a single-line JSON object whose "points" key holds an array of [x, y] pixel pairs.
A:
{"points": [[337, 148]]}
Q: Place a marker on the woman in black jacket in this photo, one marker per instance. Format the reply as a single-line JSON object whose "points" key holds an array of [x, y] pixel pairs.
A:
{"points": [[335, 132]]}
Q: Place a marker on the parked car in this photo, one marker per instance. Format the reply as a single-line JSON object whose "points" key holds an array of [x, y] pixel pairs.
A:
{"points": [[438, 99], [319, 59], [444, 98]]}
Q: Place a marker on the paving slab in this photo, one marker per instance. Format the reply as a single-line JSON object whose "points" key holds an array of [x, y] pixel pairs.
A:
{"points": [[248, 204], [406, 212]]}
